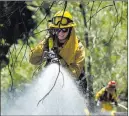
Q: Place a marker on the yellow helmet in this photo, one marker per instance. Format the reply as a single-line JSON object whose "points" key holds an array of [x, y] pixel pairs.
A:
{"points": [[62, 20]]}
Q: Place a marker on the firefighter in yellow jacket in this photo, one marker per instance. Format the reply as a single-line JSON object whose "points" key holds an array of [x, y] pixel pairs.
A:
{"points": [[64, 42], [107, 96]]}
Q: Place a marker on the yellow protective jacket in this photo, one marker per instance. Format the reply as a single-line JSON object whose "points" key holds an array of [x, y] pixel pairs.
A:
{"points": [[102, 96], [106, 102], [72, 53]]}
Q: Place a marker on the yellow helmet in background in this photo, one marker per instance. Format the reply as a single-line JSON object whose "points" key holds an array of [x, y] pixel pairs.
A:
{"points": [[62, 20]]}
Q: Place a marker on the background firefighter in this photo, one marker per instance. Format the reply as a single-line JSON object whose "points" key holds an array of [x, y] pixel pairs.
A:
{"points": [[107, 96]]}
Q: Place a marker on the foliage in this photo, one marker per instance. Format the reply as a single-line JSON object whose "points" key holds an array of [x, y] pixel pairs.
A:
{"points": [[107, 29], [108, 48], [19, 68]]}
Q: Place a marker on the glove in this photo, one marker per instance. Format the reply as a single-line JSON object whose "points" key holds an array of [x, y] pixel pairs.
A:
{"points": [[49, 55]]}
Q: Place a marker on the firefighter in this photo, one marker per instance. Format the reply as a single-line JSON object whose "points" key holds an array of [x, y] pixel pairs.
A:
{"points": [[64, 42], [106, 96]]}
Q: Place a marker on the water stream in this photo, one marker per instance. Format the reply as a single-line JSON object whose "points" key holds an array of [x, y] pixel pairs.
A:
{"points": [[64, 99]]}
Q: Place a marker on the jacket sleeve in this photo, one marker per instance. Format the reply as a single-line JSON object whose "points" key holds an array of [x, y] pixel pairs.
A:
{"points": [[77, 66], [99, 94], [36, 54]]}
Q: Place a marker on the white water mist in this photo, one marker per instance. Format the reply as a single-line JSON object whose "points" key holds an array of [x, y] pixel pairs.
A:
{"points": [[64, 99]]}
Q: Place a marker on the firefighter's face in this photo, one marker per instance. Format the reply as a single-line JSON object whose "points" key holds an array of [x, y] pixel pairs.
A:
{"points": [[62, 34]]}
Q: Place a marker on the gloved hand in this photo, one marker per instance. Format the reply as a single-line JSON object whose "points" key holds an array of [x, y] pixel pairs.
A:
{"points": [[49, 55]]}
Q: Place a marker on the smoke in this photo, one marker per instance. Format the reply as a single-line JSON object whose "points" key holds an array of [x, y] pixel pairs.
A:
{"points": [[64, 99]]}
